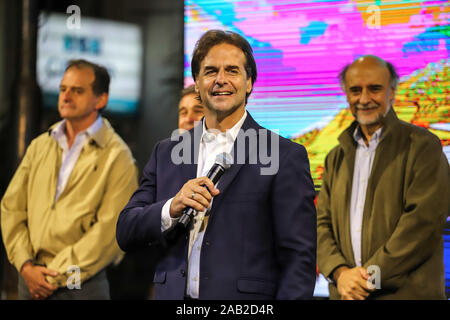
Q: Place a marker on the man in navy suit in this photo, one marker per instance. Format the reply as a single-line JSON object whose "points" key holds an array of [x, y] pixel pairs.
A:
{"points": [[254, 233]]}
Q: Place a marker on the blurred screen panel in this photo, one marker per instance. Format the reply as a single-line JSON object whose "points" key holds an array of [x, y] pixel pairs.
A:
{"points": [[115, 45]]}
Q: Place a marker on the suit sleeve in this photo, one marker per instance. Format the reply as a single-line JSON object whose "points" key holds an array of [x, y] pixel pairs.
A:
{"points": [[14, 214], [329, 255], [139, 223], [294, 218], [419, 229], [98, 247]]}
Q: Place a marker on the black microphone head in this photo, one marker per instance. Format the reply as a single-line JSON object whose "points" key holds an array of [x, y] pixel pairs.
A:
{"points": [[224, 160]]}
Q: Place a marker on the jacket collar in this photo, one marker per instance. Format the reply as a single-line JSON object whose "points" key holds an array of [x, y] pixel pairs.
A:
{"points": [[233, 171], [101, 137], [196, 134], [190, 170], [390, 122]]}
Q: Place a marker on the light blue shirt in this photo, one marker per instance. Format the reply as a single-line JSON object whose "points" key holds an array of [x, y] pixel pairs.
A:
{"points": [[363, 166], [70, 156]]}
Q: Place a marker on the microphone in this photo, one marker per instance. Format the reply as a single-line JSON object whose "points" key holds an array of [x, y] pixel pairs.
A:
{"points": [[222, 163]]}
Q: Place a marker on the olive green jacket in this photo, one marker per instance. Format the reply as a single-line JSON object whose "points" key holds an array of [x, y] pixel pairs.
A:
{"points": [[79, 228], [407, 202]]}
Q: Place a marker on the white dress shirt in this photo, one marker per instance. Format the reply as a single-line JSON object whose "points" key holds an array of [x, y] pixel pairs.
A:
{"points": [[212, 143], [363, 166], [70, 156]]}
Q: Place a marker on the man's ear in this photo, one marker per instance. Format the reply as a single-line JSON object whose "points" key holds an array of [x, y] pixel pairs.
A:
{"points": [[249, 85], [196, 86], [392, 95], [102, 100]]}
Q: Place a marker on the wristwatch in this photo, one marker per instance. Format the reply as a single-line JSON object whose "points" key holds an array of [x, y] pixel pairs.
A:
{"points": [[331, 280], [330, 277]]}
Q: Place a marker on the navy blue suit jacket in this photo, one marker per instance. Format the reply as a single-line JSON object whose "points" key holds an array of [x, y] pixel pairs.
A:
{"points": [[260, 242]]}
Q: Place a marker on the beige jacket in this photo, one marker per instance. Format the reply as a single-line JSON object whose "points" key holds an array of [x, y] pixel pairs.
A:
{"points": [[79, 228]]}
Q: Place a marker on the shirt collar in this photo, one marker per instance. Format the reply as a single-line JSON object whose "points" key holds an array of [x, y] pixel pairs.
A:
{"points": [[93, 129], [59, 130], [230, 134], [357, 135]]}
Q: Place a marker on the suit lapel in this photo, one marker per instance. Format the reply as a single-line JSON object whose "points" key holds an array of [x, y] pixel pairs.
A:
{"points": [[387, 150], [189, 170], [349, 148], [238, 162]]}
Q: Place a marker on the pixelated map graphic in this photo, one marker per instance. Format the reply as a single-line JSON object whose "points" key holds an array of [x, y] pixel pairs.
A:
{"points": [[301, 46]]}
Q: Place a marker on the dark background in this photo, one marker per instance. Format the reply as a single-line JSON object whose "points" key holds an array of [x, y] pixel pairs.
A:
{"points": [[161, 23]]}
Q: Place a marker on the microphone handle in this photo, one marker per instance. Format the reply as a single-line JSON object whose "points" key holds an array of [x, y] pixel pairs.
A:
{"points": [[188, 214], [215, 173]]}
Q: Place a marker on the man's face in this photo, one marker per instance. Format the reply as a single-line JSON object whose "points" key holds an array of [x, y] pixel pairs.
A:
{"points": [[76, 100], [368, 89], [222, 81], [189, 111]]}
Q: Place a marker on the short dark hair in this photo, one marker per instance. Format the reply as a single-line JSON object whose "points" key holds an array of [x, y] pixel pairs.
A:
{"points": [[102, 79], [214, 37], [392, 71], [188, 90]]}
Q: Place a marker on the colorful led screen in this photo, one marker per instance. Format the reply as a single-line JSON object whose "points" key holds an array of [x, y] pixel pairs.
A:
{"points": [[301, 46]]}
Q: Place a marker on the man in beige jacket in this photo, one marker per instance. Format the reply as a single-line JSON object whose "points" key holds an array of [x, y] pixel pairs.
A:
{"points": [[59, 213], [384, 198]]}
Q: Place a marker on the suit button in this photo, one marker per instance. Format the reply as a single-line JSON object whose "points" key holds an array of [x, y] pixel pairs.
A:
{"points": [[183, 272], [207, 243]]}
